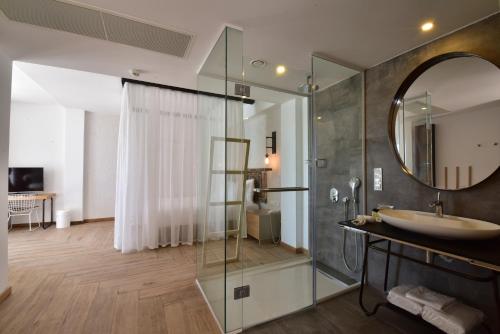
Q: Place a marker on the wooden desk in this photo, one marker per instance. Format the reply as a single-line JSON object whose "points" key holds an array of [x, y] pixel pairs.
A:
{"points": [[41, 197]]}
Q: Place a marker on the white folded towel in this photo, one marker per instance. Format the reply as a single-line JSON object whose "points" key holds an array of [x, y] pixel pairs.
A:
{"points": [[397, 296], [457, 318], [430, 298]]}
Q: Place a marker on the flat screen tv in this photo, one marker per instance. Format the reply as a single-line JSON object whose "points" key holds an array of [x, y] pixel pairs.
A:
{"points": [[25, 179]]}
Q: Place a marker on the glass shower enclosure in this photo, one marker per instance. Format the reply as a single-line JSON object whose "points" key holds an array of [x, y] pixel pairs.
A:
{"points": [[271, 149], [338, 175]]}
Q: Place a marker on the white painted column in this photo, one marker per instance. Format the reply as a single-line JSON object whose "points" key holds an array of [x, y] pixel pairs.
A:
{"points": [[73, 163], [292, 169], [5, 89], [305, 172]]}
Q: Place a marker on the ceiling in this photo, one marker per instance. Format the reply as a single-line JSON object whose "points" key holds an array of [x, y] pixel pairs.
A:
{"points": [[458, 84], [358, 32], [26, 90], [71, 89]]}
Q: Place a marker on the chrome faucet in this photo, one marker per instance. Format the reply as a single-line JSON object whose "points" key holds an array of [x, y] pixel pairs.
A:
{"points": [[438, 205]]}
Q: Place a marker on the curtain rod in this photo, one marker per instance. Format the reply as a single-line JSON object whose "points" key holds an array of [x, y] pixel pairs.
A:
{"points": [[186, 90]]}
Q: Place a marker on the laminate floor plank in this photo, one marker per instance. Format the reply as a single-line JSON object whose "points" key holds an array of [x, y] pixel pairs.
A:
{"points": [[74, 281]]}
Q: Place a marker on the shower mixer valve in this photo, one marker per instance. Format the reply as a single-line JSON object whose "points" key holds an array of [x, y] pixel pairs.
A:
{"points": [[334, 195]]}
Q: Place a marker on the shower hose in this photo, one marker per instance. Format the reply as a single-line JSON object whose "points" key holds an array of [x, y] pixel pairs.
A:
{"points": [[344, 238]]}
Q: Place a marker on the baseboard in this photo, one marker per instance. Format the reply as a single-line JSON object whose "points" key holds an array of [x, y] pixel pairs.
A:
{"points": [[292, 249], [98, 220], [75, 222], [5, 294], [93, 220]]}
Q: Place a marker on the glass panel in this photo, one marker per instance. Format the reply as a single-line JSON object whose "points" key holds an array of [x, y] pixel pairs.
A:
{"points": [[236, 165], [415, 137], [224, 161], [337, 174], [211, 232], [276, 260]]}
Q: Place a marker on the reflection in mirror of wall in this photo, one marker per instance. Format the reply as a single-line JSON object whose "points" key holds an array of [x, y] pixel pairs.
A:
{"points": [[446, 126]]}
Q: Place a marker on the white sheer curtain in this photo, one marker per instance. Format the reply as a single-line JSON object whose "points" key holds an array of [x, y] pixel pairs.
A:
{"points": [[158, 167]]}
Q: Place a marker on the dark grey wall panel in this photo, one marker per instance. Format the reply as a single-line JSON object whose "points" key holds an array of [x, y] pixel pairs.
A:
{"points": [[481, 202], [339, 139]]}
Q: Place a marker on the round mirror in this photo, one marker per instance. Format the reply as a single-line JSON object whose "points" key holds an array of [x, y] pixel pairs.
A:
{"points": [[445, 121]]}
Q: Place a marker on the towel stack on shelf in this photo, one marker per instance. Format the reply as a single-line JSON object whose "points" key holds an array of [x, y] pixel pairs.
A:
{"points": [[444, 312]]}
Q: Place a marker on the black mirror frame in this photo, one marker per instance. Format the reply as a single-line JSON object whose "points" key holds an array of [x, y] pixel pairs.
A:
{"points": [[417, 72]]}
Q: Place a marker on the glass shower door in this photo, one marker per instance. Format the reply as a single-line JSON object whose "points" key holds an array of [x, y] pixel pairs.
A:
{"points": [[221, 181], [337, 174], [276, 257]]}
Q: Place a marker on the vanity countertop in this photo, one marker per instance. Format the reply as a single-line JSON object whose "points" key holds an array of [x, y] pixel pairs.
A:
{"points": [[483, 253]]}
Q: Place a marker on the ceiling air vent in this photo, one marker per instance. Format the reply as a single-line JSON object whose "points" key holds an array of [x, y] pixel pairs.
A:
{"points": [[55, 15], [125, 31], [93, 23]]}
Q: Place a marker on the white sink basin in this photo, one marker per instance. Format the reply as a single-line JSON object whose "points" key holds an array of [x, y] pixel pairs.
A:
{"points": [[448, 227]]}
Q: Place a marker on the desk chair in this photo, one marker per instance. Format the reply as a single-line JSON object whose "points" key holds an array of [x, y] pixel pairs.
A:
{"points": [[22, 205]]}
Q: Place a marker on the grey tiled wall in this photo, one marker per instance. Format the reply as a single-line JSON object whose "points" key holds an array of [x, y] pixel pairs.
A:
{"points": [[481, 202], [339, 143]]}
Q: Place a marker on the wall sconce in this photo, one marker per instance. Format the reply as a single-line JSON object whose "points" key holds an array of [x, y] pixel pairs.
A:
{"points": [[270, 144]]}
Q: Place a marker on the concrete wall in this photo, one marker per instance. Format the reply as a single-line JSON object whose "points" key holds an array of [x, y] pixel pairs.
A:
{"points": [[339, 142], [101, 140], [480, 202], [5, 90]]}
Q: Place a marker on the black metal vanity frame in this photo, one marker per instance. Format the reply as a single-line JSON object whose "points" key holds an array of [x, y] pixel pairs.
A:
{"points": [[386, 233]]}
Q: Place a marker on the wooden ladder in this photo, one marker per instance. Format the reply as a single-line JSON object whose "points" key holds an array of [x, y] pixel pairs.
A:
{"points": [[235, 232]]}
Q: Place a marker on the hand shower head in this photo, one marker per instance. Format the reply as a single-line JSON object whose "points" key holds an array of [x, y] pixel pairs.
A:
{"points": [[354, 184]]}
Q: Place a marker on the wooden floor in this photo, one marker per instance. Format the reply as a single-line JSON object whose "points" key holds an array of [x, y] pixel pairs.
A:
{"points": [[342, 315], [73, 281], [251, 255]]}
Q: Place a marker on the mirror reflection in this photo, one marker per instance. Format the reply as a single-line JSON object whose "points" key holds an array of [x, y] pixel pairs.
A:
{"points": [[447, 127]]}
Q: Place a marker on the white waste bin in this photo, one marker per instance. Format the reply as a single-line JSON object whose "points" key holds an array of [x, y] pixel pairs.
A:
{"points": [[62, 219]]}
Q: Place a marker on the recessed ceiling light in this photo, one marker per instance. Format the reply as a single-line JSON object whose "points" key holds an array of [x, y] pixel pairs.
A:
{"points": [[424, 108], [280, 69], [258, 63], [135, 72], [319, 117], [427, 26]]}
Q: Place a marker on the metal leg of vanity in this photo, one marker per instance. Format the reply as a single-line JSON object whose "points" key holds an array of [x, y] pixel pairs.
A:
{"points": [[493, 278]]}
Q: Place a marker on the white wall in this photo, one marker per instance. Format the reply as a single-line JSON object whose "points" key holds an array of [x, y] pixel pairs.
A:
{"points": [[101, 139], [79, 160], [457, 138], [290, 121], [37, 140], [305, 174], [74, 132], [292, 172], [257, 128], [5, 85]]}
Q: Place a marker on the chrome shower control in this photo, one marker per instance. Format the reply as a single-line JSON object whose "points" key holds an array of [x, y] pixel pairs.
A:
{"points": [[334, 195]]}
